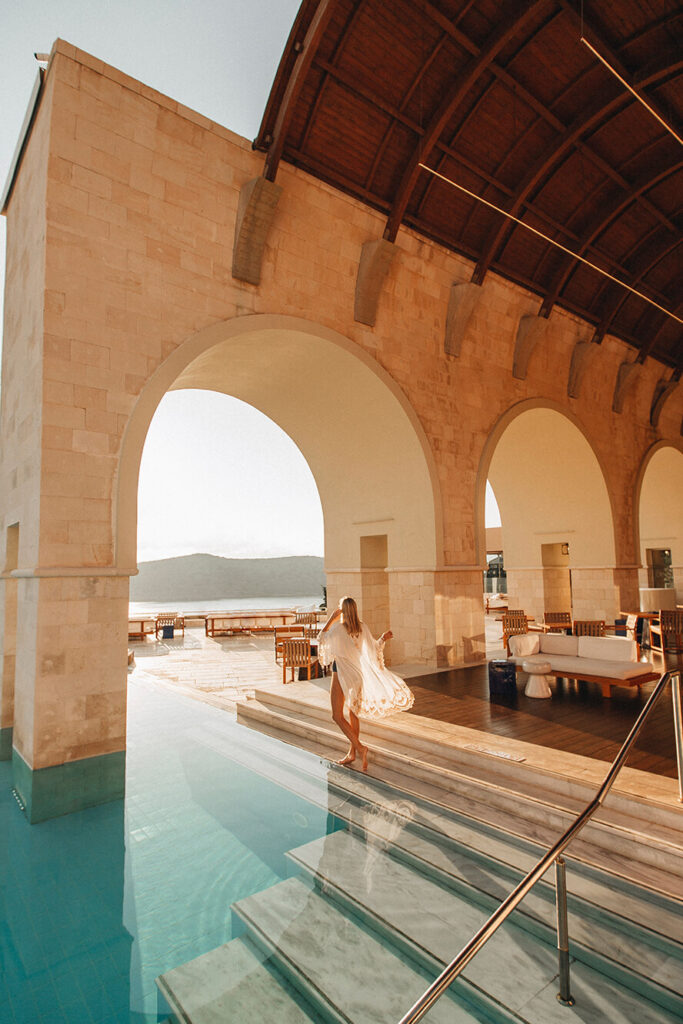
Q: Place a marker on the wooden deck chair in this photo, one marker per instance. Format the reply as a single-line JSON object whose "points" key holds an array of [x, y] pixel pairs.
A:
{"points": [[295, 654], [282, 633], [557, 622], [589, 627], [305, 618], [514, 623], [169, 619], [669, 628]]}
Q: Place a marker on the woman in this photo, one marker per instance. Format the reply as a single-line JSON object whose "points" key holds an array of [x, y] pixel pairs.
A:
{"points": [[359, 677]]}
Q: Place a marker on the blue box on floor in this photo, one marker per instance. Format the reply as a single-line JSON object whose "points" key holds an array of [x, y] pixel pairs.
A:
{"points": [[502, 680], [167, 632]]}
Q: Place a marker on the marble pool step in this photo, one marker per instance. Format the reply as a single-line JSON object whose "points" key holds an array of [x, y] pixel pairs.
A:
{"points": [[469, 853], [540, 815], [651, 805], [357, 973], [232, 983], [349, 973], [425, 916]]}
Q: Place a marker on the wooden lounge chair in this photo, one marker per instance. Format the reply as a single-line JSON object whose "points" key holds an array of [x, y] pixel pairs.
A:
{"points": [[557, 622], [669, 628], [514, 623], [305, 618], [589, 627], [291, 632], [168, 620], [295, 654]]}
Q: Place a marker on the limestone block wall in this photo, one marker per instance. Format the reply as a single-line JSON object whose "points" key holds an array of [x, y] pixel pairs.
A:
{"points": [[134, 259], [21, 411]]}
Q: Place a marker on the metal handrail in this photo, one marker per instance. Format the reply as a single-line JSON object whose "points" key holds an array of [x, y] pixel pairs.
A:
{"points": [[468, 952]]}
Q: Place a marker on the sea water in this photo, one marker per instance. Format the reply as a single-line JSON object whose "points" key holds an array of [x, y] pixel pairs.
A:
{"points": [[308, 603]]}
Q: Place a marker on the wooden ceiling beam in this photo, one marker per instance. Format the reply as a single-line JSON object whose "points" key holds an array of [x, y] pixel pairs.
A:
{"points": [[548, 160], [307, 49], [449, 105], [569, 265], [645, 264]]}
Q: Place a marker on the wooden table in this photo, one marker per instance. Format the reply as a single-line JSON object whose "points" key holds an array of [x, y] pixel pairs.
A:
{"points": [[145, 627]]}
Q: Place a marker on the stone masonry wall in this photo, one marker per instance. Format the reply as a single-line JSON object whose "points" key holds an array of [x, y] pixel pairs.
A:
{"points": [[141, 202]]}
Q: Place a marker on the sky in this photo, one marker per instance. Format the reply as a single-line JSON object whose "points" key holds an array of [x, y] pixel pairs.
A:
{"points": [[249, 494]]}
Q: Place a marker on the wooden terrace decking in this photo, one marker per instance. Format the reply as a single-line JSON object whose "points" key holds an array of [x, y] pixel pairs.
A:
{"points": [[577, 719]]}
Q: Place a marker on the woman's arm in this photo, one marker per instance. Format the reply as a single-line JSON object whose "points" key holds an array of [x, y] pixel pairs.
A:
{"points": [[336, 614]]}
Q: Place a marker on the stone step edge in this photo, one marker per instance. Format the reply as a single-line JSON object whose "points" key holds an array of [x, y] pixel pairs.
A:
{"points": [[582, 853], [482, 828], [591, 957], [590, 848], [579, 902], [437, 772], [523, 769], [178, 1014], [478, 998]]}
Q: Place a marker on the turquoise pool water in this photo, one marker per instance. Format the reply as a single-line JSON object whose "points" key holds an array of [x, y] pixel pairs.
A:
{"points": [[95, 905]]}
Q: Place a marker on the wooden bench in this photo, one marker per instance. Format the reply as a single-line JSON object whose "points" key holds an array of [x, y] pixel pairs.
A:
{"points": [[604, 682]]}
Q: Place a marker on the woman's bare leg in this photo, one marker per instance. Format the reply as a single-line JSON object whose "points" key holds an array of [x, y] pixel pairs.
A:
{"points": [[355, 726], [337, 700]]}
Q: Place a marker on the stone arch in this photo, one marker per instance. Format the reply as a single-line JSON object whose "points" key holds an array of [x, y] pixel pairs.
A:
{"points": [[368, 453], [658, 508], [541, 463]]}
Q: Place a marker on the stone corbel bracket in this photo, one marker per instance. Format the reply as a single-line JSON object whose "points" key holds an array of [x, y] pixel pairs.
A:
{"points": [[582, 357], [462, 303], [375, 260], [663, 390], [255, 212], [627, 376], [530, 330]]}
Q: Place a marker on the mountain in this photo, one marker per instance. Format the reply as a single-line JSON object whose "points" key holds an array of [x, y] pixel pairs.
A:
{"points": [[208, 577]]}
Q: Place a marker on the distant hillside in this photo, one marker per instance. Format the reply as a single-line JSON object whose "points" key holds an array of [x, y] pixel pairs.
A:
{"points": [[208, 577]]}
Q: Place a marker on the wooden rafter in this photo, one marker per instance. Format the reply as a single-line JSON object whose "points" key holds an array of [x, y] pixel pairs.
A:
{"points": [[568, 265], [306, 52], [449, 105], [555, 152]]}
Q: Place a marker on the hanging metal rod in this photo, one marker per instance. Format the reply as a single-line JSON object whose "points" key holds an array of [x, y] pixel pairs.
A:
{"points": [[633, 92], [551, 241]]}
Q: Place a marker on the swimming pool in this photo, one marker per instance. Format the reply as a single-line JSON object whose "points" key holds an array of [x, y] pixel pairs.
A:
{"points": [[259, 883], [95, 905]]}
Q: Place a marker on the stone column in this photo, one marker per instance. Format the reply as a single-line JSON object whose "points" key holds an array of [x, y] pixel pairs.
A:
{"points": [[437, 617], [595, 594], [526, 590], [8, 643], [70, 690]]}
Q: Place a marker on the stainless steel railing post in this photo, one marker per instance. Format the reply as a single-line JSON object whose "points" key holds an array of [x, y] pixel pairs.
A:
{"points": [[678, 729], [564, 995], [470, 950]]}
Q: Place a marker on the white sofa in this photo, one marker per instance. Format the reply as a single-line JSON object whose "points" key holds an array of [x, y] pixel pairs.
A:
{"points": [[609, 661]]}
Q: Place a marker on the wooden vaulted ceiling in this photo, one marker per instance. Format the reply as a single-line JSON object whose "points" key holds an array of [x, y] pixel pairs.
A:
{"points": [[503, 98]]}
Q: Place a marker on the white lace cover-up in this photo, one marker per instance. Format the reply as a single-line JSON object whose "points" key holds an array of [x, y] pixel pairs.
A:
{"points": [[370, 689]]}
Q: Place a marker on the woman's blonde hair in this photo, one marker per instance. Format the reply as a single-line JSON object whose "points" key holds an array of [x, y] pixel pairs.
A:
{"points": [[350, 617]]}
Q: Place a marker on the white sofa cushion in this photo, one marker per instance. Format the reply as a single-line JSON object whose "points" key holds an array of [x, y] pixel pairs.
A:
{"points": [[608, 648], [579, 668], [556, 643], [524, 644]]}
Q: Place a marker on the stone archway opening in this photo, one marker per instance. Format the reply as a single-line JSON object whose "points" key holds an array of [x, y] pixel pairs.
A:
{"points": [[660, 514], [360, 440], [556, 516]]}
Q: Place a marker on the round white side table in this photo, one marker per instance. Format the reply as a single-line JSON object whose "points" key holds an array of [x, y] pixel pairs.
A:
{"points": [[538, 681]]}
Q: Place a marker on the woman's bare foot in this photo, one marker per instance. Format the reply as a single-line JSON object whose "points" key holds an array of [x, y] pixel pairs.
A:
{"points": [[350, 757], [364, 762]]}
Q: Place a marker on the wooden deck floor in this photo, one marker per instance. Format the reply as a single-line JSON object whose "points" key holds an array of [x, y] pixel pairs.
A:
{"points": [[577, 718]]}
